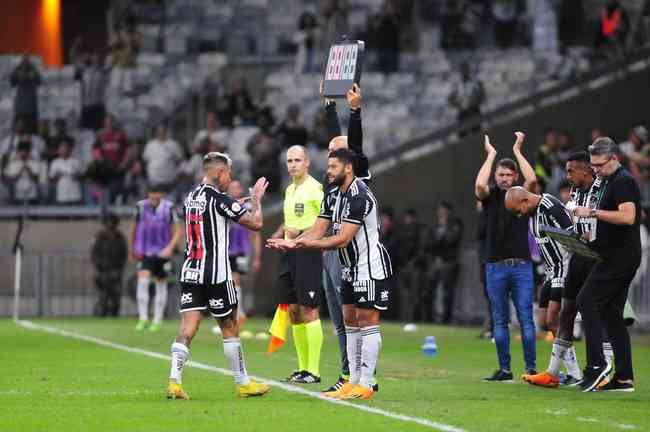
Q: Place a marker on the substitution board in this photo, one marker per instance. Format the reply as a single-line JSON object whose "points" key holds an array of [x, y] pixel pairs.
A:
{"points": [[571, 241], [343, 68]]}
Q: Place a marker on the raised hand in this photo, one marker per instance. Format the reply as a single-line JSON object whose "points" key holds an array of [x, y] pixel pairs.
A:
{"points": [[259, 188], [489, 148], [354, 97], [519, 141]]}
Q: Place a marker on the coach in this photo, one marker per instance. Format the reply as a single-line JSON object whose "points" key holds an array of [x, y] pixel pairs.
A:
{"points": [[509, 271], [603, 296]]}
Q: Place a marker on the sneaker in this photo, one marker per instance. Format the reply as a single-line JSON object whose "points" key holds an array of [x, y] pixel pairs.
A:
{"points": [[251, 389], [175, 391], [544, 379], [500, 376], [154, 328], [342, 392], [141, 325], [594, 376], [570, 381], [615, 385], [294, 375], [359, 392], [307, 378], [337, 385]]}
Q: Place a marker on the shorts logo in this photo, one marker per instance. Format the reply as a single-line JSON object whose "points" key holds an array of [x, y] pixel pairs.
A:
{"points": [[186, 298], [311, 294], [299, 209], [216, 303], [384, 295], [362, 299]]}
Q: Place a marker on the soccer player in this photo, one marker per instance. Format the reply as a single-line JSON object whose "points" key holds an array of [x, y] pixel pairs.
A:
{"points": [[154, 235], [331, 265], [546, 210], [301, 270], [354, 217], [206, 277]]}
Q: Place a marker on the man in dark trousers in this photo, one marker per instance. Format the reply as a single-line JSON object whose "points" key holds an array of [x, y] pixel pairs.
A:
{"points": [[508, 269], [618, 241], [109, 254]]}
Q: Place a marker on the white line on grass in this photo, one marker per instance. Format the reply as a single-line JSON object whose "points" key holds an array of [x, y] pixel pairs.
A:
{"points": [[293, 389]]}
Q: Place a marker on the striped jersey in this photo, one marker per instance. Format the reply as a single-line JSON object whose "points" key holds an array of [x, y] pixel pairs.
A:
{"points": [[364, 258], [551, 212], [208, 213], [589, 197]]}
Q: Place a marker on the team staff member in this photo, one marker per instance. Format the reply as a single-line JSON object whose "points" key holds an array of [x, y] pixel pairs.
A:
{"points": [[618, 241], [509, 272], [331, 265], [301, 271], [154, 235]]}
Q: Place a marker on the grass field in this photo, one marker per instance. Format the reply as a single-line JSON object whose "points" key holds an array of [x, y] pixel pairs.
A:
{"points": [[49, 382]]}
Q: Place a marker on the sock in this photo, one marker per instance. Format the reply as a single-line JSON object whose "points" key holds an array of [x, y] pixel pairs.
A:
{"points": [[302, 345], [159, 302], [235, 356], [370, 347], [314, 332], [142, 297], [557, 354], [180, 353], [608, 351], [571, 363], [353, 335]]}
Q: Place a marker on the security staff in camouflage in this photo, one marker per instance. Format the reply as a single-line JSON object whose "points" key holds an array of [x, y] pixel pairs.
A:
{"points": [[109, 254]]}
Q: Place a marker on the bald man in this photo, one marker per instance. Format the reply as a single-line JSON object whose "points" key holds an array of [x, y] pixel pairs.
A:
{"points": [[300, 270], [546, 210]]}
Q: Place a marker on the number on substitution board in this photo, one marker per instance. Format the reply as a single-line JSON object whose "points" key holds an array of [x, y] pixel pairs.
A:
{"points": [[350, 62]]}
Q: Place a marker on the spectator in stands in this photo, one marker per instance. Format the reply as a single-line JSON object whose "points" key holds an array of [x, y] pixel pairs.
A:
{"points": [[93, 77], [53, 142], [292, 130], [265, 153], [26, 79], [114, 151], [410, 236], [66, 173], [637, 138], [109, 253], [217, 136], [505, 14], [467, 97], [319, 133], [443, 247], [18, 135], [571, 17], [124, 51], [240, 109], [162, 157], [549, 166], [565, 191], [385, 31], [545, 39], [333, 21], [306, 38], [453, 34], [612, 29], [191, 171], [24, 174], [639, 159]]}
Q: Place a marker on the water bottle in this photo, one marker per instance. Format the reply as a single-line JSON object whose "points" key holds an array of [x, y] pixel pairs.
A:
{"points": [[430, 347]]}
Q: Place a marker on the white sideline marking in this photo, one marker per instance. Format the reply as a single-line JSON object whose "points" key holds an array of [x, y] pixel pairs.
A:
{"points": [[293, 389]]}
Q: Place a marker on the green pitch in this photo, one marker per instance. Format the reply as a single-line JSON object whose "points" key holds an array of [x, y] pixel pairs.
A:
{"points": [[50, 382]]}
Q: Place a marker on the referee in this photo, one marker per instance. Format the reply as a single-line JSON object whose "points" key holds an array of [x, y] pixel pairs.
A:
{"points": [[301, 271], [618, 241]]}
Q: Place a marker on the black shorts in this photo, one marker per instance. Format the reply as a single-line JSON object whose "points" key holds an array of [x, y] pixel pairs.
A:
{"points": [[158, 267], [367, 294], [579, 269], [239, 264], [549, 294], [219, 299], [301, 278]]}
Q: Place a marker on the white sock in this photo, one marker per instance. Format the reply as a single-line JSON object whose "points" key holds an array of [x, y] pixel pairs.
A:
{"points": [[557, 354], [180, 353], [370, 348], [159, 302], [608, 351], [142, 297], [354, 341], [235, 356], [571, 363]]}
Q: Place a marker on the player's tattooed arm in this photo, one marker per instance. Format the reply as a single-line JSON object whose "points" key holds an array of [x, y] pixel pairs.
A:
{"points": [[340, 240], [253, 219]]}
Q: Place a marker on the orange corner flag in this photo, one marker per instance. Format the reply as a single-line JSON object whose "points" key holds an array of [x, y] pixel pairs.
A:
{"points": [[279, 327]]}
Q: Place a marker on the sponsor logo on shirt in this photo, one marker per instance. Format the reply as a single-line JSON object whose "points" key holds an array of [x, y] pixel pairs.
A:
{"points": [[299, 209]]}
